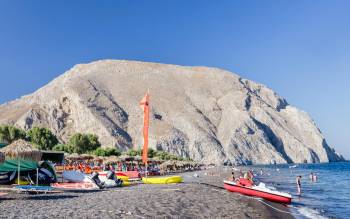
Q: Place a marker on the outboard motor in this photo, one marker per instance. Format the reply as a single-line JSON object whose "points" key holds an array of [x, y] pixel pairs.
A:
{"points": [[119, 182], [94, 177], [110, 175]]}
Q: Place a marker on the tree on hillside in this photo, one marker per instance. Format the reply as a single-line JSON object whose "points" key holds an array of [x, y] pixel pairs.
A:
{"points": [[107, 152], [151, 152], [62, 147], [133, 152], [9, 133], [43, 138], [81, 143]]}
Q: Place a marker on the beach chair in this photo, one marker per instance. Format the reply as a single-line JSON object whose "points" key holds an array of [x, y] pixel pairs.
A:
{"points": [[29, 189]]}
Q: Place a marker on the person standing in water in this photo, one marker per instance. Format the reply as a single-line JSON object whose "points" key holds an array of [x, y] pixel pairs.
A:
{"points": [[311, 176], [298, 181], [233, 175]]}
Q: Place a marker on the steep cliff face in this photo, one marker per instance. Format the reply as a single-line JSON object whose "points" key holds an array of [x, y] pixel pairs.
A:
{"points": [[208, 114]]}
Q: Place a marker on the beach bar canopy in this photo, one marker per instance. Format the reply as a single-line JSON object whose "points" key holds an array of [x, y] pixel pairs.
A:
{"points": [[12, 165], [53, 156], [21, 150]]}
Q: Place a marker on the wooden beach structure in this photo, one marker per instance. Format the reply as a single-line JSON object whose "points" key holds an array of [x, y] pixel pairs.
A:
{"points": [[21, 150]]}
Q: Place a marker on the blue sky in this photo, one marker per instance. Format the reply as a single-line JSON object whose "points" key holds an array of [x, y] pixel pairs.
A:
{"points": [[301, 49]]}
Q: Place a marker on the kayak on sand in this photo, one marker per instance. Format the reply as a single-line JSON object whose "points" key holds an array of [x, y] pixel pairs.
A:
{"points": [[162, 180], [260, 191]]}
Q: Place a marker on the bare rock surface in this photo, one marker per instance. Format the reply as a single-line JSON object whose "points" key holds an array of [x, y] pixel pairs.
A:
{"points": [[208, 114]]}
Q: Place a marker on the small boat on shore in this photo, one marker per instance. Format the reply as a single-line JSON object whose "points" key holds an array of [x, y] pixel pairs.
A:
{"points": [[3, 194], [260, 191], [75, 186], [162, 180]]}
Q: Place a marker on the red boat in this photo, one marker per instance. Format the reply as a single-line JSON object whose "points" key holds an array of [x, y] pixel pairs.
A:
{"points": [[259, 191]]}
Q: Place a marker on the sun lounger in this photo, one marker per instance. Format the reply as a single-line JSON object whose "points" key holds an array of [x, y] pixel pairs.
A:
{"points": [[36, 189]]}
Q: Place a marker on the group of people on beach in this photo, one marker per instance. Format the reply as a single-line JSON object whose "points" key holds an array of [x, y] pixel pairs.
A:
{"points": [[88, 167], [245, 179]]}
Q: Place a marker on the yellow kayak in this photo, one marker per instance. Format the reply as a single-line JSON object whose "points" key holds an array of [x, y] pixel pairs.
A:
{"points": [[162, 180], [124, 178], [21, 182], [126, 183]]}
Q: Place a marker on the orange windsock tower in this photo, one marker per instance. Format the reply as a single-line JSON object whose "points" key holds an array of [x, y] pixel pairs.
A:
{"points": [[144, 104]]}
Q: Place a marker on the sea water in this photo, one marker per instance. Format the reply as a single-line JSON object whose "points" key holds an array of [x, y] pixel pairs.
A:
{"points": [[328, 197]]}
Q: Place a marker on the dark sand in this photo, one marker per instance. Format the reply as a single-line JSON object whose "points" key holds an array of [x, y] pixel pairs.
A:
{"points": [[197, 197]]}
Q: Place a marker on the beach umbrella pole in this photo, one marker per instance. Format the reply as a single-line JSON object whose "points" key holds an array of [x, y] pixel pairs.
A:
{"points": [[19, 169]]}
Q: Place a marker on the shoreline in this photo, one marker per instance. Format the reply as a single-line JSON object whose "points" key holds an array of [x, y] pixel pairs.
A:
{"points": [[197, 197]]}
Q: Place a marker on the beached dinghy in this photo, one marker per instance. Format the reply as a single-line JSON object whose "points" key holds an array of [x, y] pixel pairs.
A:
{"points": [[103, 176], [259, 191], [79, 181], [75, 186], [76, 176], [109, 179], [3, 194], [162, 180]]}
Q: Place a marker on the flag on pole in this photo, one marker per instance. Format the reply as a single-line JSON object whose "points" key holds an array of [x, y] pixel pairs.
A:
{"points": [[144, 104]]}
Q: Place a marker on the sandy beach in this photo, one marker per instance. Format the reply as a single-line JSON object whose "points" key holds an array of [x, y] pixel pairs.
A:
{"points": [[197, 197]]}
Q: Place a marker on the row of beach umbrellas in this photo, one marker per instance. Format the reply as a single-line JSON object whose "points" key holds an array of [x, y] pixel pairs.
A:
{"points": [[106, 160]]}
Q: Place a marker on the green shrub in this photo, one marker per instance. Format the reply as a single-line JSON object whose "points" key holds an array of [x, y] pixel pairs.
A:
{"points": [[133, 152], [43, 138], [83, 143], [107, 152], [63, 147], [151, 153], [9, 133]]}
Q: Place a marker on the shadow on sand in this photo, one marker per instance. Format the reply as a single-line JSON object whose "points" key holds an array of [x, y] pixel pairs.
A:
{"points": [[50, 197]]}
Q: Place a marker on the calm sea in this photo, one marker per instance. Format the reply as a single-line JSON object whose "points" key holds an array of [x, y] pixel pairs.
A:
{"points": [[329, 197]]}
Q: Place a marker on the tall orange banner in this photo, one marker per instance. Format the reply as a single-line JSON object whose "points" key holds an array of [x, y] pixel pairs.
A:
{"points": [[144, 104]]}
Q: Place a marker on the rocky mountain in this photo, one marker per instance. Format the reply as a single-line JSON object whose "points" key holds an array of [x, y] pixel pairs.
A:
{"points": [[208, 114]]}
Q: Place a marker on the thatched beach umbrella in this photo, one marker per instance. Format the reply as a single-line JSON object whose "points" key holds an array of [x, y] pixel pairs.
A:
{"points": [[73, 157], [125, 157], [2, 157], [98, 159], [137, 158], [87, 156], [112, 159], [157, 160], [21, 149]]}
